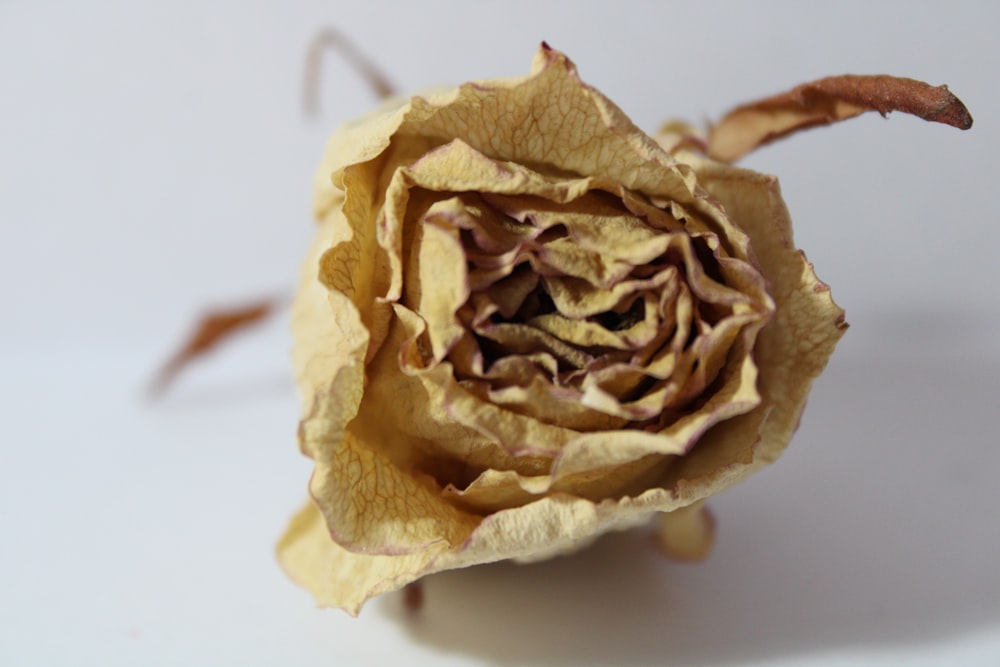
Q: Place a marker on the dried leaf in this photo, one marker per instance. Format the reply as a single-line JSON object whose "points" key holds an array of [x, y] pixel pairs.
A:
{"points": [[214, 328], [827, 101]]}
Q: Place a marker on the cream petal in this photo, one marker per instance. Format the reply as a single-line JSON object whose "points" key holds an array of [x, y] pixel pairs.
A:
{"points": [[442, 287], [793, 349], [340, 578]]}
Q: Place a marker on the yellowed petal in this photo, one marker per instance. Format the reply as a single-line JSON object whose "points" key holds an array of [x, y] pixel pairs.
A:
{"points": [[793, 349], [370, 503], [558, 524], [549, 404], [327, 320], [582, 333], [444, 280], [551, 119], [340, 578], [500, 489]]}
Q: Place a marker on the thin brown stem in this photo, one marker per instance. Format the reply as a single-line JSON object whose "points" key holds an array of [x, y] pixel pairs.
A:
{"points": [[331, 39]]}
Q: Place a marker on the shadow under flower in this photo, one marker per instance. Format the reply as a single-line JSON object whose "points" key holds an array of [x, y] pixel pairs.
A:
{"points": [[877, 529]]}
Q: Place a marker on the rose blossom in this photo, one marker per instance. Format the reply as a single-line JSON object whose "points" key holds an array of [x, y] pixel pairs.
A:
{"points": [[524, 323]]}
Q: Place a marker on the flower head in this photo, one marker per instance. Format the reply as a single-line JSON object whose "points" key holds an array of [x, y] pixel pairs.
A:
{"points": [[524, 322]]}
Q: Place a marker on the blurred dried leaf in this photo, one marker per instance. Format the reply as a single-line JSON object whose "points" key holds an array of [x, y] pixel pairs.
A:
{"points": [[212, 329]]}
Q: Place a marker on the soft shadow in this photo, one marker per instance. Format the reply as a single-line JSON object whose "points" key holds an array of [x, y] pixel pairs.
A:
{"points": [[877, 529]]}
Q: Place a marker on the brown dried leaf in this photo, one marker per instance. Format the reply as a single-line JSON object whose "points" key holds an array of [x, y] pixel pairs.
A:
{"points": [[827, 101], [214, 328]]}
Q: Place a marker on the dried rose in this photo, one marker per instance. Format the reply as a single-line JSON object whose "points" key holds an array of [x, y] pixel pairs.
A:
{"points": [[524, 323]]}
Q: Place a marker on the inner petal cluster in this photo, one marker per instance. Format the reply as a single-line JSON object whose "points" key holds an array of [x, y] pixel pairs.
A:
{"points": [[591, 308]]}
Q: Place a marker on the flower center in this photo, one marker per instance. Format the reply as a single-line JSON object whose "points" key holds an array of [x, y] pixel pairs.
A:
{"points": [[603, 295]]}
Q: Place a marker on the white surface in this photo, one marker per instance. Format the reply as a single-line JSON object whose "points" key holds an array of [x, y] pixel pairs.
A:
{"points": [[154, 161]]}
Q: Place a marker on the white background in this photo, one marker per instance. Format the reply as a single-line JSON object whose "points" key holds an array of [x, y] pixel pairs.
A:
{"points": [[155, 161]]}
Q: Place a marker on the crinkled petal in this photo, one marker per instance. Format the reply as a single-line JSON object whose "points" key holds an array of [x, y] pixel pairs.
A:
{"points": [[371, 503], [328, 320], [340, 578], [794, 347]]}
